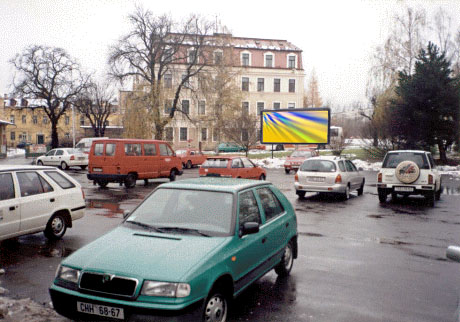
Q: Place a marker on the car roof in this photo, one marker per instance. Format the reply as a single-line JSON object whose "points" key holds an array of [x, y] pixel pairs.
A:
{"points": [[24, 167], [231, 185], [410, 151], [328, 157], [226, 156]]}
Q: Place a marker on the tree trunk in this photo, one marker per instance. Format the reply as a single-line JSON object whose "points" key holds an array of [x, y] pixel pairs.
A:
{"points": [[54, 135]]}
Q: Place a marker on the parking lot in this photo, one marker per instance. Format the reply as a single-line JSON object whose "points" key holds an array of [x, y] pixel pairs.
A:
{"points": [[358, 260]]}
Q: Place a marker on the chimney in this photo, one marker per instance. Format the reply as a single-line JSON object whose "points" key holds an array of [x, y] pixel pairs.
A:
{"points": [[12, 102], [24, 102]]}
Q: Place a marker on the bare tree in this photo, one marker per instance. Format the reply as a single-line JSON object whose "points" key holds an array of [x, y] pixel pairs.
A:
{"points": [[51, 77], [136, 119], [96, 104], [312, 97], [157, 46], [241, 128]]}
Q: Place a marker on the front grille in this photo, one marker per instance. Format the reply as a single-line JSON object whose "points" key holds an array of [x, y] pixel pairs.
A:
{"points": [[108, 284]]}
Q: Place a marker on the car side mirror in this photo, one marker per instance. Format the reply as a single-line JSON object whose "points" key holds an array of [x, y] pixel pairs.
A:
{"points": [[126, 214], [453, 253], [360, 169], [249, 228]]}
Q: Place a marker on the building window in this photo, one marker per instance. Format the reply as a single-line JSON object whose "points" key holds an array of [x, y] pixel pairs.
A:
{"points": [[12, 119], [168, 80], [260, 84], [168, 106], [268, 60], [169, 134], [34, 119], [183, 134], [292, 86], [67, 135], [260, 107], [202, 107], [67, 120], [12, 136], [24, 119], [245, 59], [245, 107], [186, 106], [245, 84], [204, 134], [45, 119], [192, 56], [292, 61], [276, 105], [82, 121], [215, 135], [277, 85], [218, 57], [291, 105]]}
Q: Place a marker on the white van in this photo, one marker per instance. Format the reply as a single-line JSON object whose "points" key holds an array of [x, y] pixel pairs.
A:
{"points": [[84, 144]]}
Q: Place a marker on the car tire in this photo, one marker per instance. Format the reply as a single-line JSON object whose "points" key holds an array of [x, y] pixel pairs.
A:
{"points": [[102, 183], [56, 227], [430, 198], [172, 175], [438, 194], [361, 189], [300, 193], [287, 171], [216, 306], [189, 164], [130, 181], [346, 194], [64, 166], [394, 196], [83, 167], [40, 162], [262, 177], [284, 267], [382, 195]]}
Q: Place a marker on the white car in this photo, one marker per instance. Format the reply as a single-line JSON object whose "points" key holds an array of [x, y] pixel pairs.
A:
{"points": [[329, 174], [409, 172], [34, 199], [64, 158]]}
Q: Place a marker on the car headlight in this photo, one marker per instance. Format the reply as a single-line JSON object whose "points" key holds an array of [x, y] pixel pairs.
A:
{"points": [[68, 274], [153, 288]]}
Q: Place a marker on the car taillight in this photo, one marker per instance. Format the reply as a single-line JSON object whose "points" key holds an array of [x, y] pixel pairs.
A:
{"points": [[430, 179], [379, 177], [338, 179], [72, 157], [82, 193], [296, 177]]}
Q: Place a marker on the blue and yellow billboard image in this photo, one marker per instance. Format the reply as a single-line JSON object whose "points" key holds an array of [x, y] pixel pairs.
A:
{"points": [[301, 126]]}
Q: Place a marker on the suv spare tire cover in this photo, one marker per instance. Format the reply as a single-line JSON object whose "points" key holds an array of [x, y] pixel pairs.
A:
{"points": [[407, 172]]}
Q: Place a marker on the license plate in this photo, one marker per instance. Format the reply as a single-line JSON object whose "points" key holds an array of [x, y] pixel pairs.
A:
{"points": [[316, 179], [101, 310], [81, 158], [405, 189], [97, 169]]}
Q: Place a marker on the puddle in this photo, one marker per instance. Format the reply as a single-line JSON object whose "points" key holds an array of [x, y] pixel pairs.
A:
{"points": [[387, 241], [375, 216], [311, 234]]}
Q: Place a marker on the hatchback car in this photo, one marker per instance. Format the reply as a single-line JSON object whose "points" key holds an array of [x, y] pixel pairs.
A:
{"points": [[229, 147], [64, 158], [232, 167], [294, 161], [34, 199], [191, 157], [183, 254], [329, 174]]}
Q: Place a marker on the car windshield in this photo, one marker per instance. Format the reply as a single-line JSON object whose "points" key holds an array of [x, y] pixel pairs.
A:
{"points": [[186, 211], [304, 154], [393, 159], [318, 166], [215, 163]]}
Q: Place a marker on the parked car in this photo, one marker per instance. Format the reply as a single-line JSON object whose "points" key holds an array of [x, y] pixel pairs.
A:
{"points": [[296, 158], [232, 167], [64, 158], [183, 254], [34, 199], [329, 174], [191, 157], [128, 160], [409, 172], [230, 147], [84, 145], [23, 144]]}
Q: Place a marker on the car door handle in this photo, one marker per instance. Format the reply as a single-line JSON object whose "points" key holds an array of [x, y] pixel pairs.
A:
{"points": [[12, 208], [52, 199], [264, 240]]}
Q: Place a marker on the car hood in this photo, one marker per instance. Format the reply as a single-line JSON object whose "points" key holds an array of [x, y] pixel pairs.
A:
{"points": [[145, 255]]}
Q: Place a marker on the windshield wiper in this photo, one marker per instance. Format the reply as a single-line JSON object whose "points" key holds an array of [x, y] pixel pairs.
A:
{"points": [[182, 230], [149, 227]]}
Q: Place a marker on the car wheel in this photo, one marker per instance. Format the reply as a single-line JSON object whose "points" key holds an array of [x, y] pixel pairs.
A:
{"points": [[382, 195], [130, 181], [216, 306], [438, 194], [262, 177], [64, 166], [361, 189], [189, 164], [346, 194], [172, 175], [430, 198], [56, 227], [40, 162], [287, 171], [394, 196], [102, 183], [83, 167], [284, 267], [300, 193]]}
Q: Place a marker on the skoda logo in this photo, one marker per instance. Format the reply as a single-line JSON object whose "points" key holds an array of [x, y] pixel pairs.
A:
{"points": [[106, 278]]}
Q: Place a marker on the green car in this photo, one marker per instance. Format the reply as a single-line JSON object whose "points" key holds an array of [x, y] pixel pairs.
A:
{"points": [[183, 254], [230, 147]]}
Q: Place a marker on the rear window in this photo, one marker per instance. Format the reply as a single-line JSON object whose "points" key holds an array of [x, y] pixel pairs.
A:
{"points": [[318, 166], [99, 149], [110, 149], [62, 181], [215, 163], [393, 159]]}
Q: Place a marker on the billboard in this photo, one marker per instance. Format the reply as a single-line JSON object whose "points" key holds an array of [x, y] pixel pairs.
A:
{"points": [[297, 126]]}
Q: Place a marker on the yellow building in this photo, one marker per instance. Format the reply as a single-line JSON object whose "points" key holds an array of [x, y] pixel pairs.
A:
{"points": [[3, 141]]}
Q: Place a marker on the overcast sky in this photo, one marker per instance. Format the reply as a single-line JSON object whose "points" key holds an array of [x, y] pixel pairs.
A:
{"points": [[337, 37]]}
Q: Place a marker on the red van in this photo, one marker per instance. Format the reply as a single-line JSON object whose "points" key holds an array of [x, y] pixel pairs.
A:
{"points": [[128, 160]]}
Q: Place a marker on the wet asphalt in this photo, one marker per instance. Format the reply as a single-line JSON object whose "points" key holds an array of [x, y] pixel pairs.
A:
{"points": [[358, 260]]}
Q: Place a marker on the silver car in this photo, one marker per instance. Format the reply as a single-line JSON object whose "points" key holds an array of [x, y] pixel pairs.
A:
{"points": [[328, 174]]}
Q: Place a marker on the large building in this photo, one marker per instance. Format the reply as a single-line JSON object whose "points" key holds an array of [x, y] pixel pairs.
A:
{"points": [[268, 72]]}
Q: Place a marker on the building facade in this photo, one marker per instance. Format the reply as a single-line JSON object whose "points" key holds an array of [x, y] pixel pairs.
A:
{"points": [[3, 140]]}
